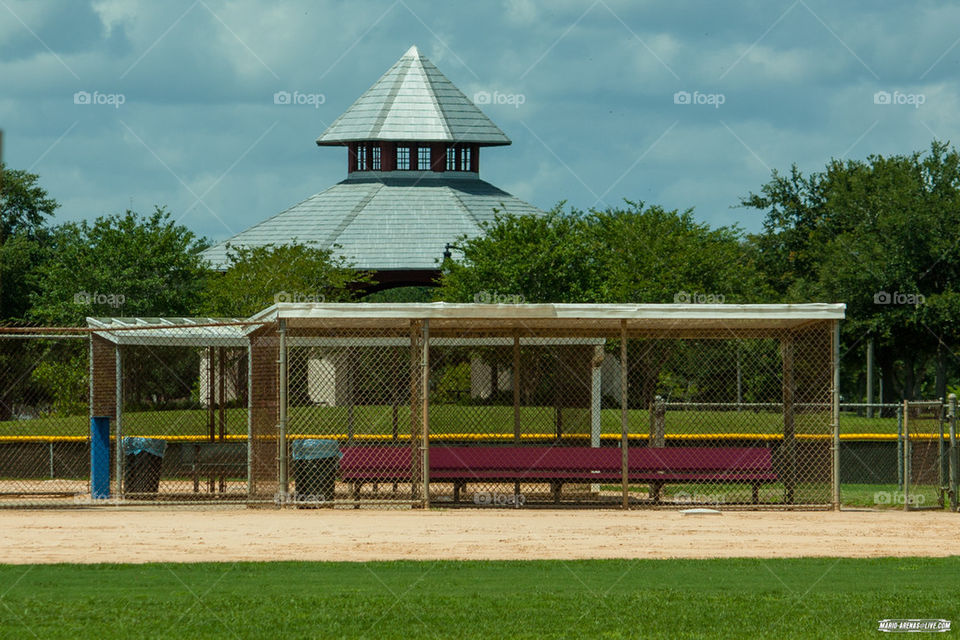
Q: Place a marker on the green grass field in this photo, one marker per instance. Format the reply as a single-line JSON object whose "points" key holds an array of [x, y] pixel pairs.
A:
{"points": [[455, 419], [799, 598]]}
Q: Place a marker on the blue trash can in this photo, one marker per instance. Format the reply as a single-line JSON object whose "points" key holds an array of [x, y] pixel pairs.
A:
{"points": [[143, 459], [316, 464]]}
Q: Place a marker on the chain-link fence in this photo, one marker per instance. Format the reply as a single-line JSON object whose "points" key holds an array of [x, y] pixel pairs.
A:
{"points": [[44, 433], [333, 409], [494, 413], [897, 455]]}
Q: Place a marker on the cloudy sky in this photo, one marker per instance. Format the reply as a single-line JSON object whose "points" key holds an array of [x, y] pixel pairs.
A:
{"points": [[684, 104]]}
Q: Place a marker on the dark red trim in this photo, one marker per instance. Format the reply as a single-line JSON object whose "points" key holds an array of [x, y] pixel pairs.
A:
{"points": [[351, 157], [388, 156]]}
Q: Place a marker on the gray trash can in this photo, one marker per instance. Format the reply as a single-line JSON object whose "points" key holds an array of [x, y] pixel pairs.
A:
{"points": [[143, 459], [316, 464]]}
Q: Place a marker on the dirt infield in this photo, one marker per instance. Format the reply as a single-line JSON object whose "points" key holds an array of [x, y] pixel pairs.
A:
{"points": [[191, 535]]}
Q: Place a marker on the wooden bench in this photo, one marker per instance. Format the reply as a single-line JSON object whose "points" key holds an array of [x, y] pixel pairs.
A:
{"points": [[362, 465], [557, 466], [213, 459]]}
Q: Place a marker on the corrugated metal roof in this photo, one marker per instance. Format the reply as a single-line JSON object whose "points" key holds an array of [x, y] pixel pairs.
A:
{"points": [[570, 311], [386, 221], [678, 320], [172, 331], [413, 101]]}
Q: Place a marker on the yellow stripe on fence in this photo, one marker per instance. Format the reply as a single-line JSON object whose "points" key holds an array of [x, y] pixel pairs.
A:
{"points": [[506, 437]]}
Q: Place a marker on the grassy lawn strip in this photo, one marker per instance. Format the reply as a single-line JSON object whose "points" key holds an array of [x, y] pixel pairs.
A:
{"points": [[813, 597], [453, 419]]}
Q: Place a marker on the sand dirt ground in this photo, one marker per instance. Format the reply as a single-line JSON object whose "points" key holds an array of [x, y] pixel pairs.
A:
{"points": [[195, 535]]}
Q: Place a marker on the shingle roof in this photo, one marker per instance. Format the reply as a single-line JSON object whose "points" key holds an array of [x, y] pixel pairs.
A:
{"points": [[413, 101], [384, 223]]}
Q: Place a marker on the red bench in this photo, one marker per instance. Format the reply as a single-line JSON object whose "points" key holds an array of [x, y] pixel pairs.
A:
{"points": [[557, 466]]}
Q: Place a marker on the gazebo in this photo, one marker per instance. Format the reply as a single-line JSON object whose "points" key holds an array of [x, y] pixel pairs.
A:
{"points": [[413, 182]]}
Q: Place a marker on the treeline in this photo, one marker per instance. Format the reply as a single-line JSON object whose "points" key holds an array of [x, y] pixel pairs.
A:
{"points": [[881, 235]]}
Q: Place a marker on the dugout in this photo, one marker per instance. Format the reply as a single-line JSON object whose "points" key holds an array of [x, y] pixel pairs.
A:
{"points": [[491, 405]]}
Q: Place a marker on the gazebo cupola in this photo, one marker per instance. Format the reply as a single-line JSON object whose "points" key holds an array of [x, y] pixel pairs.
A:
{"points": [[413, 119], [413, 186]]}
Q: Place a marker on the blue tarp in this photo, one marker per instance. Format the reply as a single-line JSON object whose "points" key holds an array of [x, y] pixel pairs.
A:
{"points": [[153, 446], [310, 449]]}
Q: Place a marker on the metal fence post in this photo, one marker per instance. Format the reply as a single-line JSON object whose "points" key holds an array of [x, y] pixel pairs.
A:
{"points": [[425, 411], [282, 411], [250, 483], [952, 402], [624, 457], [835, 417], [99, 457], [943, 459], [789, 427], [906, 455], [118, 422], [900, 448]]}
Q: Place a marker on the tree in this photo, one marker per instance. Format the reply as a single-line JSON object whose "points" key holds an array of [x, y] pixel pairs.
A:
{"points": [[24, 207], [24, 204], [257, 277], [122, 264], [652, 255], [20, 258], [880, 235], [119, 265], [532, 258]]}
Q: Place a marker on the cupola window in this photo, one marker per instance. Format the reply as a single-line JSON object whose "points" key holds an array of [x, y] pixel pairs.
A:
{"points": [[403, 158]]}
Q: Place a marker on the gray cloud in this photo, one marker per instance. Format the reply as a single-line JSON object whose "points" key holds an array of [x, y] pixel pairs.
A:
{"points": [[599, 117]]}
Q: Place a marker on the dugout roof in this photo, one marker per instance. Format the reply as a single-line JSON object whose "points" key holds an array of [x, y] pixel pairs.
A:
{"points": [[668, 320], [490, 320]]}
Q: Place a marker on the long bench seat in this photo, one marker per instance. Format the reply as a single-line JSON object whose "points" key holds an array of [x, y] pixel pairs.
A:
{"points": [[562, 465]]}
